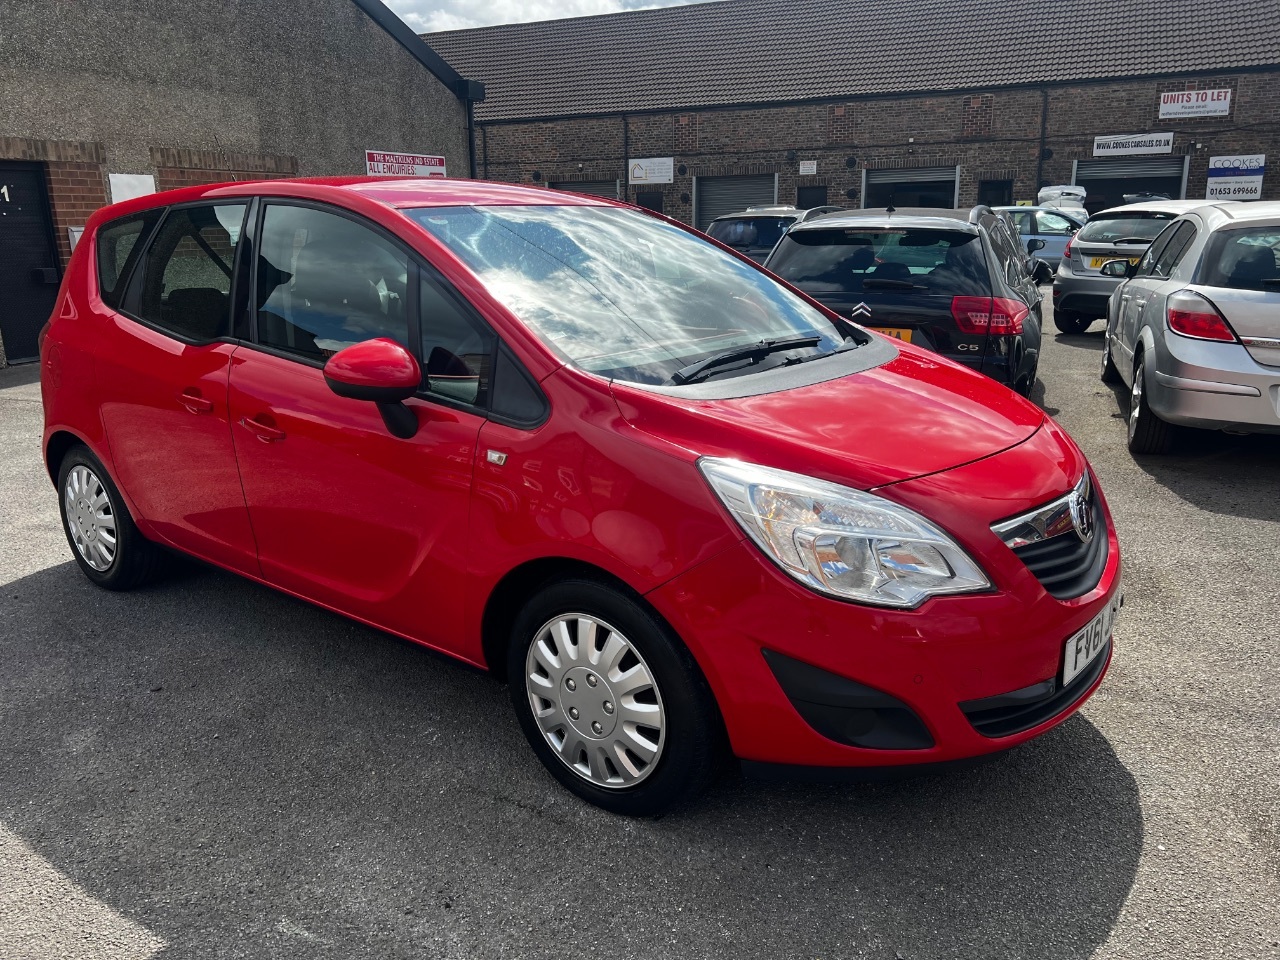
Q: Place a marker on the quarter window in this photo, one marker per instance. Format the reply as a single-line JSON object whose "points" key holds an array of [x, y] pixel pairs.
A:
{"points": [[326, 282], [457, 350], [186, 276], [118, 248]]}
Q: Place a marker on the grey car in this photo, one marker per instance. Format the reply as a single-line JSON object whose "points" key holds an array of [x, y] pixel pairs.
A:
{"points": [[1194, 329], [756, 230], [1080, 290], [1054, 227]]}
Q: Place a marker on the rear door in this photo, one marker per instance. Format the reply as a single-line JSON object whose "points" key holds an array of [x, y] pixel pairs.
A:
{"points": [[1240, 274], [1055, 230], [900, 280], [1143, 293]]}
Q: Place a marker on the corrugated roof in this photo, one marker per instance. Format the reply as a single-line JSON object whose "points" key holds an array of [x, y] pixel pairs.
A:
{"points": [[762, 51]]}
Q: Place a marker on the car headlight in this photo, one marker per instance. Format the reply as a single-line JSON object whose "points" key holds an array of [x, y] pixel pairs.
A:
{"points": [[841, 541]]}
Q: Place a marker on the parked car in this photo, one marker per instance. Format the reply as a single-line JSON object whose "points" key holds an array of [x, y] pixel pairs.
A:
{"points": [[1081, 290], [1052, 227], [681, 508], [953, 281], [1194, 329], [756, 230]]}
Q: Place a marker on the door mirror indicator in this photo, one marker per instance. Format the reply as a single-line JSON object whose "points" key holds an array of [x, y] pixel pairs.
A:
{"points": [[380, 371]]}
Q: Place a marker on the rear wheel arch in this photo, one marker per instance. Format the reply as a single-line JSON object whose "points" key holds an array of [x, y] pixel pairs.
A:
{"points": [[59, 444]]}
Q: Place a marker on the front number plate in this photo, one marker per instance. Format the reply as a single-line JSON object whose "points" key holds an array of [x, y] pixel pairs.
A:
{"points": [[1086, 645], [898, 333]]}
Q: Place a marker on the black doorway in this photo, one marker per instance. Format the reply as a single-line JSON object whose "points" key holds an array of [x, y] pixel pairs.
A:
{"points": [[650, 200], [29, 268]]}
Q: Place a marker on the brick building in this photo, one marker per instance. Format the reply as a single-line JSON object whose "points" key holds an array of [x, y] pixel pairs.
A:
{"points": [[918, 102], [101, 98]]}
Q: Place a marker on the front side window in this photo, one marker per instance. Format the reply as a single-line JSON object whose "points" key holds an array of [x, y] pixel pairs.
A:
{"points": [[871, 259], [1052, 225], [325, 282], [186, 276], [1244, 259], [622, 294]]}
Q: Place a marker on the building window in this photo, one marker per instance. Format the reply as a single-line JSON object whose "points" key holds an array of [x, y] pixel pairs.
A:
{"points": [[809, 197], [650, 200], [995, 193]]}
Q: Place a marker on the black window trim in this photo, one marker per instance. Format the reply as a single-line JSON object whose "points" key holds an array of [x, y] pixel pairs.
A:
{"points": [[136, 255], [129, 302], [419, 269]]}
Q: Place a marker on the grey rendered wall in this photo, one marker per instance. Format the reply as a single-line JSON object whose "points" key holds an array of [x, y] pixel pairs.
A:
{"points": [[315, 79]]}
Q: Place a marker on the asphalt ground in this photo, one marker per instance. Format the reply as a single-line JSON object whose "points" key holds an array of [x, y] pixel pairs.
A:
{"points": [[208, 769]]}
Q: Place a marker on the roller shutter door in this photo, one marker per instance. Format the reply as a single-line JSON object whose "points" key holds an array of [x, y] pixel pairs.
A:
{"points": [[595, 188], [718, 196], [916, 175], [1133, 167]]}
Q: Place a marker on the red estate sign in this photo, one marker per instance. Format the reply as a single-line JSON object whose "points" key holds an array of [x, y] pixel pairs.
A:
{"points": [[384, 164]]}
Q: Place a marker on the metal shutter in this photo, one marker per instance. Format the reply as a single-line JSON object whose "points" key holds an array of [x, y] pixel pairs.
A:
{"points": [[915, 175], [1132, 167], [718, 196], [595, 188]]}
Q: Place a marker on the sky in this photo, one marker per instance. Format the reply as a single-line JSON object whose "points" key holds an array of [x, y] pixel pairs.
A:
{"points": [[429, 15]]}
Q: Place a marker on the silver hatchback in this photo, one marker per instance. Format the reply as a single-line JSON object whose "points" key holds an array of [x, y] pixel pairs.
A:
{"points": [[1194, 328]]}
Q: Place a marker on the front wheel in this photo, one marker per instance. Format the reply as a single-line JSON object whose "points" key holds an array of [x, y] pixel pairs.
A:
{"points": [[1147, 432], [103, 538], [1071, 322], [611, 701]]}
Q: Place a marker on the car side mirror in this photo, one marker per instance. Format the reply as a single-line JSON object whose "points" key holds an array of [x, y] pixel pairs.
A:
{"points": [[1034, 245], [380, 371], [1042, 273], [1117, 269]]}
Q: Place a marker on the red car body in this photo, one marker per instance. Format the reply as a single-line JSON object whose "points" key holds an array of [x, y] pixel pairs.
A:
{"points": [[247, 460]]}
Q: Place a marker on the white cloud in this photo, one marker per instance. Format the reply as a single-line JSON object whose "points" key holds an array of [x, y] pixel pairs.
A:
{"points": [[431, 15]]}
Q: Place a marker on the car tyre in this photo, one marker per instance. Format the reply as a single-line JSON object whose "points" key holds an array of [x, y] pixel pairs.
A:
{"points": [[103, 537], [1072, 323], [1147, 432], [1109, 375], [611, 701]]}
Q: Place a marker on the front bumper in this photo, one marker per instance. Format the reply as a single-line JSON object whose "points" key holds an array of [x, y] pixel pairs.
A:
{"points": [[1216, 386], [934, 661]]}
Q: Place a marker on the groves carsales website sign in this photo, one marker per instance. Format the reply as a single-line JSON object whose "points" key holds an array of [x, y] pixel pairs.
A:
{"points": [[1236, 178], [1195, 103], [380, 163], [1133, 144]]}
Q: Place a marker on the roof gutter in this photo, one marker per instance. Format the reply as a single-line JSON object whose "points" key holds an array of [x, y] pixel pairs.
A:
{"points": [[470, 92]]}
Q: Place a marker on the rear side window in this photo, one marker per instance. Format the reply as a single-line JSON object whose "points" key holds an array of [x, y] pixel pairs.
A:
{"points": [[186, 275], [118, 249], [1183, 235], [750, 233], [1124, 226], [1246, 259], [883, 259]]}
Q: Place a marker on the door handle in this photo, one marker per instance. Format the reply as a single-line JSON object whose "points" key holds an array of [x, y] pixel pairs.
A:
{"points": [[264, 432], [195, 403]]}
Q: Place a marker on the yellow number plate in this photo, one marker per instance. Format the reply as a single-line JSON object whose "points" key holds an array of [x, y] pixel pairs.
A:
{"points": [[898, 333], [1096, 262]]}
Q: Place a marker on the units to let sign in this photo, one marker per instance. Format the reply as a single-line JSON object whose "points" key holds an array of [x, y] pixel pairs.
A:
{"points": [[1195, 103], [382, 163], [1132, 144], [1236, 178]]}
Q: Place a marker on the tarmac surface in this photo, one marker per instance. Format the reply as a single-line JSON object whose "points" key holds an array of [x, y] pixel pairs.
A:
{"points": [[208, 769]]}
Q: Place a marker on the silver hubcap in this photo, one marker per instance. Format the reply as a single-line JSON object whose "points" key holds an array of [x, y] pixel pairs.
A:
{"points": [[91, 521], [1135, 400], [595, 700]]}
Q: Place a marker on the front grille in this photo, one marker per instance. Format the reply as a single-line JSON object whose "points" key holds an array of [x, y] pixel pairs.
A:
{"points": [[1012, 713], [1048, 541]]}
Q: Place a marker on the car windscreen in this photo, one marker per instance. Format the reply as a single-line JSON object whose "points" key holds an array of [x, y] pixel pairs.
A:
{"points": [[1244, 259], [622, 294], [912, 260], [750, 233], [1137, 225]]}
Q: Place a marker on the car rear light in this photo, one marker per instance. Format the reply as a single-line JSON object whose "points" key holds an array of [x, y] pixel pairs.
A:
{"points": [[1066, 251], [1191, 315], [996, 315]]}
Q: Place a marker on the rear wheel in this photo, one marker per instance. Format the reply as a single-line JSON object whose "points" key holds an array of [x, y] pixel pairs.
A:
{"points": [[103, 538], [1147, 432], [1109, 374], [1069, 322], [611, 701]]}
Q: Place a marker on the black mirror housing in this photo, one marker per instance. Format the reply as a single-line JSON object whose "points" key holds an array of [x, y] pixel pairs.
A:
{"points": [[1034, 245]]}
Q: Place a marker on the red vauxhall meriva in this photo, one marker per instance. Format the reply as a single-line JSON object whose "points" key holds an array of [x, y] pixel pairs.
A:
{"points": [[681, 507]]}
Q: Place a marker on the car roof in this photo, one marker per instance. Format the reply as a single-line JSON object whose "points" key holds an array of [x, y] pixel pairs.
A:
{"points": [[761, 212], [397, 192], [1236, 213], [1067, 212], [916, 217], [1154, 206]]}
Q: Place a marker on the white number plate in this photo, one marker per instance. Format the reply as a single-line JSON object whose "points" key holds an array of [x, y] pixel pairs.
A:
{"points": [[1085, 645]]}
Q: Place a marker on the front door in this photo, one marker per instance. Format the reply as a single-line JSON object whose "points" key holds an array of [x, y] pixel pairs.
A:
{"points": [[29, 268], [345, 513]]}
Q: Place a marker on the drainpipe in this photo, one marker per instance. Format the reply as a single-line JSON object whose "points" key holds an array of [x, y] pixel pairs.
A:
{"points": [[484, 146], [1044, 124], [471, 137], [626, 160]]}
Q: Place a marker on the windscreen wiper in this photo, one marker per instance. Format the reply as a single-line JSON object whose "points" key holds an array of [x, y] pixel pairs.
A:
{"points": [[754, 352]]}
